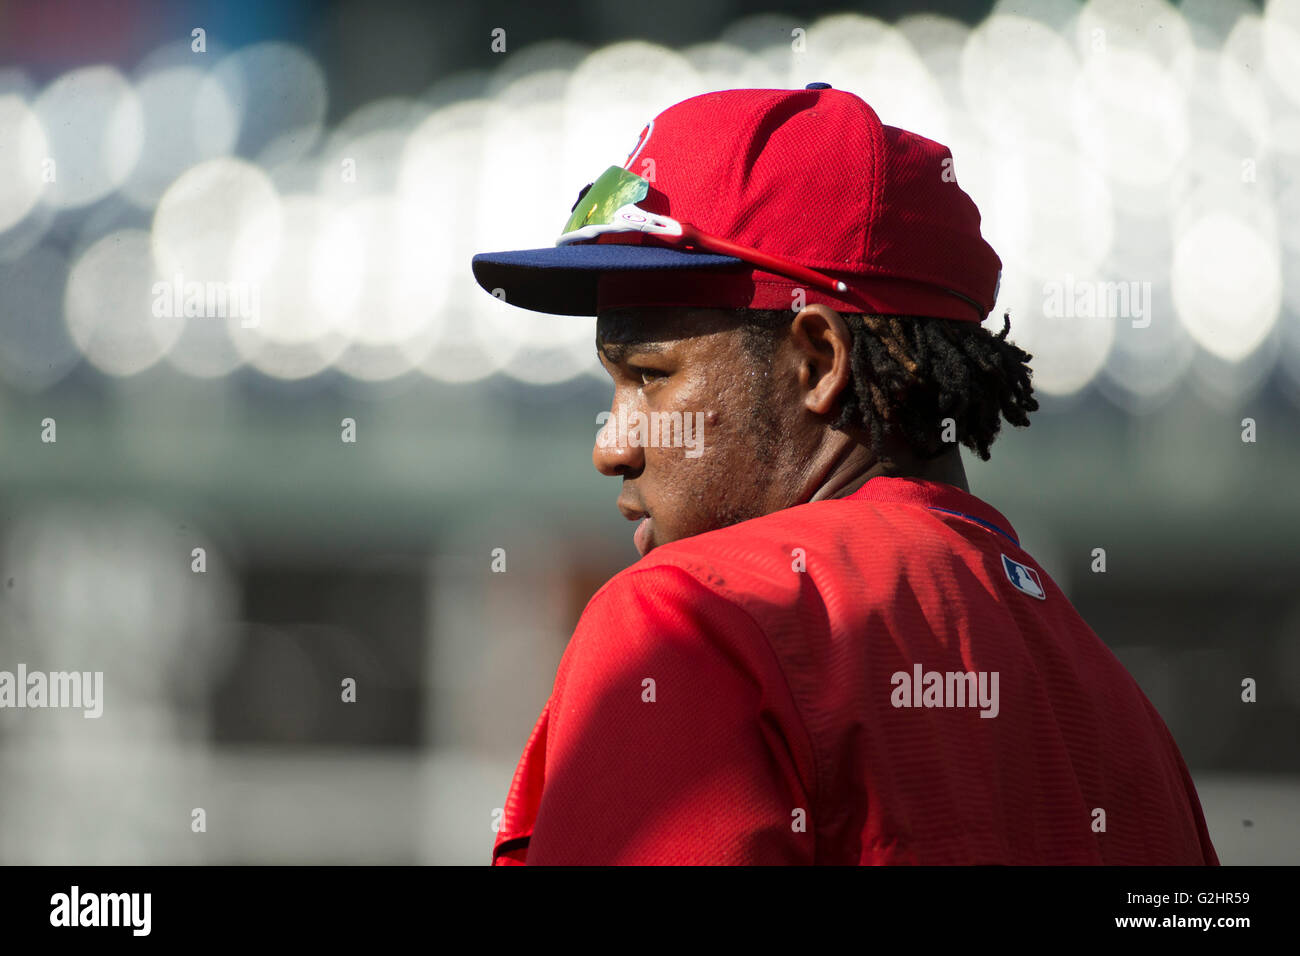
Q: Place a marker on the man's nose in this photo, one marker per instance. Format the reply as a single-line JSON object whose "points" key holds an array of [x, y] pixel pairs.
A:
{"points": [[613, 454]]}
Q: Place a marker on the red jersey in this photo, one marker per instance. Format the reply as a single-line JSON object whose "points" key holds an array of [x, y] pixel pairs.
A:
{"points": [[882, 678]]}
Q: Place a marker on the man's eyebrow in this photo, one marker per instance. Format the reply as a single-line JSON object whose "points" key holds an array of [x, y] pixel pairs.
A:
{"points": [[616, 352]]}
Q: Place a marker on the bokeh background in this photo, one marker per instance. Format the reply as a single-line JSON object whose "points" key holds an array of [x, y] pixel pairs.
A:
{"points": [[342, 162]]}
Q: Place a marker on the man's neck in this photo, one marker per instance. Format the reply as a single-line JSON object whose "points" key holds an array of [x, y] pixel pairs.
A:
{"points": [[858, 468]]}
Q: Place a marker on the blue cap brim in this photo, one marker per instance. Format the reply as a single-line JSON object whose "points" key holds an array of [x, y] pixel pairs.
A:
{"points": [[562, 280]]}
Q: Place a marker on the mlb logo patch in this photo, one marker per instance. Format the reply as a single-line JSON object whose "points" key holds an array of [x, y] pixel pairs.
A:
{"points": [[1024, 577]]}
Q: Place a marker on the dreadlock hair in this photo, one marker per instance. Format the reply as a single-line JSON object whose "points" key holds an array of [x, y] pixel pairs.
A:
{"points": [[911, 373]]}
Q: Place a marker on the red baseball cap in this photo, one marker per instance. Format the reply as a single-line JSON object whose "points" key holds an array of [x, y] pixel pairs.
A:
{"points": [[811, 176]]}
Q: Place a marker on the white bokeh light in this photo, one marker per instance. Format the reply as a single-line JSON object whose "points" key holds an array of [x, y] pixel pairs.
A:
{"points": [[1016, 74], [109, 305], [1154, 27], [1054, 211], [1068, 351], [1149, 359], [894, 80], [530, 346], [185, 122], [1227, 284], [280, 94], [95, 129], [209, 211], [363, 157], [24, 148], [723, 65], [1131, 117], [1281, 38], [366, 265], [608, 99], [441, 183], [1244, 96], [295, 337]]}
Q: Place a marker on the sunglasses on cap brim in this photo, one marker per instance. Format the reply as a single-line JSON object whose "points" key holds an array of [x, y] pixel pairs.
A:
{"points": [[609, 206]]}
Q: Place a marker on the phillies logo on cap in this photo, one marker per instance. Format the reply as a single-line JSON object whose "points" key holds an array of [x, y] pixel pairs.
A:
{"points": [[640, 144]]}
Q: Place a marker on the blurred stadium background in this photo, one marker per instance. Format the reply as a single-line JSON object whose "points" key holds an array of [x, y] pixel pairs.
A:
{"points": [[346, 160]]}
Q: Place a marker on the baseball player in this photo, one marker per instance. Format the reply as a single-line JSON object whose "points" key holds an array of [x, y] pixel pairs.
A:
{"points": [[830, 651]]}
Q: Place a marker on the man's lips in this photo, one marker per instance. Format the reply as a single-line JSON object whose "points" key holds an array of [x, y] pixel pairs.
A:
{"points": [[641, 538], [644, 530]]}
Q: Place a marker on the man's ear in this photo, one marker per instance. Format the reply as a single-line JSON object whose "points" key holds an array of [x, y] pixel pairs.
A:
{"points": [[823, 344]]}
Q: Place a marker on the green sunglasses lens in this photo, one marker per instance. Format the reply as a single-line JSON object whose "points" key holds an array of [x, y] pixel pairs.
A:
{"points": [[615, 188]]}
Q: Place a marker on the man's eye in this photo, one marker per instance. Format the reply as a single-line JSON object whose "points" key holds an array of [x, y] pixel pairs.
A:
{"points": [[647, 375]]}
